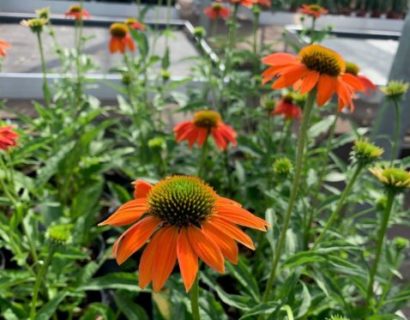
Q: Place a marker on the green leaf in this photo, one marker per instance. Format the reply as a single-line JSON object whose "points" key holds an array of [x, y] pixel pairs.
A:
{"points": [[264, 308], [97, 311], [47, 311], [321, 127], [243, 274], [51, 167], [118, 280], [130, 309]]}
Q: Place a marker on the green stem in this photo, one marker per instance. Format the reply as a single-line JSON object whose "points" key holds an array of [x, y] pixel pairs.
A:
{"points": [[78, 45], [312, 31], [379, 246], [194, 294], [340, 204], [46, 90], [396, 137], [40, 280], [255, 32], [294, 190], [202, 163]]}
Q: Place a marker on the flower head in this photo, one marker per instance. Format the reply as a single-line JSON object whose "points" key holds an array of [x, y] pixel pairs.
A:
{"points": [[316, 67], [282, 167], [286, 108], [199, 32], [354, 70], [134, 24], [8, 138], [121, 39], [401, 243], [394, 179], [365, 152], [36, 25], [262, 3], [186, 220], [313, 10], [395, 89], [4, 45], [217, 10], [43, 13], [205, 123], [60, 233], [77, 12], [165, 75]]}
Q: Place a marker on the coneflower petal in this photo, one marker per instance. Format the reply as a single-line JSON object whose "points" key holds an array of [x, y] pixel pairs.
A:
{"points": [[232, 231], [148, 260], [309, 82], [128, 213], [225, 243], [134, 238], [165, 258], [206, 249], [240, 216], [289, 77], [325, 89], [141, 188], [187, 259]]}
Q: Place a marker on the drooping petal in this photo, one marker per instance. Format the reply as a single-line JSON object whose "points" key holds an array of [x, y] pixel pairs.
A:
{"points": [[225, 243], [238, 215], [206, 249], [128, 213], [353, 81], [165, 257], [134, 238], [326, 87], [309, 82], [148, 260], [219, 140], [141, 188], [187, 259], [232, 231], [290, 76], [202, 135]]}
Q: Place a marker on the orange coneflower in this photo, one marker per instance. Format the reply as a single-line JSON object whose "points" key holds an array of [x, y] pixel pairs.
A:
{"points": [[4, 45], [217, 10], [313, 10], [120, 38], [315, 67], [203, 124], [133, 23], [262, 3], [8, 138], [77, 12], [354, 69], [286, 108], [186, 220]]}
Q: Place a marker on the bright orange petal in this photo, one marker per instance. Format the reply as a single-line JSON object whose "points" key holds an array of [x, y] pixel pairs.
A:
{"points": [[225, 243], [309, 82], [206, 249], [141, 188], [290, 76], [353, 81], [219, 140], [237, 215], [128, 213], [326, 87], [187, 259], [148, 260], [232, 231], [276, 59], [134, 238], [202, 135], [165, 258]]}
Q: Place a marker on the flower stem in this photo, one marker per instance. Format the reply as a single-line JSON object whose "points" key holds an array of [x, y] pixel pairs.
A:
{"points": [[339, 206], [396, 137], [379, 246], [40, 280], [294, 190], [46, 90], [255, 32], [202, 163], [194, 294]]}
